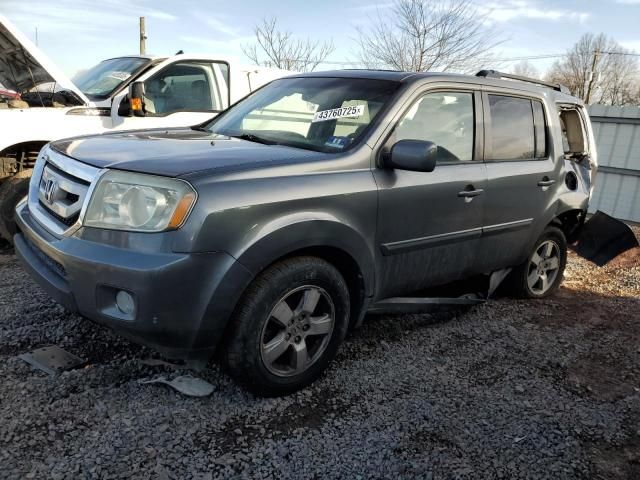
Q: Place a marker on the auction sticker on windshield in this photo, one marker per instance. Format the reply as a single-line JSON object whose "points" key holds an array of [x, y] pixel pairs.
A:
{"points": [[342, 112], [120, 75]]}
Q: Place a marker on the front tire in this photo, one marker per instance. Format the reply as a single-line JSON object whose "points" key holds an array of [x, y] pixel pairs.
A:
{"points": [[288, 326], [541, 274], [12, 190]]}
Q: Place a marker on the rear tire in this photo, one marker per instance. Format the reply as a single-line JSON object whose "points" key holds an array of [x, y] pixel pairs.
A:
{"points": [[541, 274], [12, 190], [288, 326]]}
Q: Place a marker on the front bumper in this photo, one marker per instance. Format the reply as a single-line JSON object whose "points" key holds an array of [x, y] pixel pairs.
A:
{"points": [[182, 300]]}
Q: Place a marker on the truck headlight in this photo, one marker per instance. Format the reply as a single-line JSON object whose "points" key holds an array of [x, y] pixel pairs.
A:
{"points": [[138, 202]]}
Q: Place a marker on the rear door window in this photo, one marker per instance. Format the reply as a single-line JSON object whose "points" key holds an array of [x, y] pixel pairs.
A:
{"points": [[512, 128], [540, 126]]}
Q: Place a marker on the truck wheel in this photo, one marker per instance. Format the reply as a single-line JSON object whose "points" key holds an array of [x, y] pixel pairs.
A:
{"points": [[541, 274], [12, 190], [288, 326]]}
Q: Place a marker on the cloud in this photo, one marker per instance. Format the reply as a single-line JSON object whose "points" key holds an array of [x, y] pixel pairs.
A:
{"points": [[84, 17], [633, 45], [628, 2], [213, 44], [219, 23], [372, 7], [517, 9]]}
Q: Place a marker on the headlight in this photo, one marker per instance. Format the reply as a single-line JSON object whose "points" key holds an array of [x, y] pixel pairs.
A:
{"points": [[137, 202]]}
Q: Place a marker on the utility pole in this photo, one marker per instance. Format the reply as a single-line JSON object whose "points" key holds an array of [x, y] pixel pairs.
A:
{"points": [[592, 76], [143, 37]]}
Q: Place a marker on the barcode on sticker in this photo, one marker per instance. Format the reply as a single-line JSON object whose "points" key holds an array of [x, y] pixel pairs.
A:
{"points": [[342, 112]]}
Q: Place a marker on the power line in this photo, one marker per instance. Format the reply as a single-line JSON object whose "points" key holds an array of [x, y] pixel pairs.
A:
{"points": [[545, 56], [630, 54]]}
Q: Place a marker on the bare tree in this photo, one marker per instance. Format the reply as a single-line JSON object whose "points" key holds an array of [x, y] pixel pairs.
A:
{"points": [[421, 35], [278, 48], [525, 69], [598, 67]]}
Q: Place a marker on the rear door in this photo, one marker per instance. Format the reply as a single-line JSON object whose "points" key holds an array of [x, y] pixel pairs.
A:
{"points": [[522, 176], [429, 223]]}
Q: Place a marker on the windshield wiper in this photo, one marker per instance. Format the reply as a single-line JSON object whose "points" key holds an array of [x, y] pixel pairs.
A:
{"points": [[200, 128], [254, 138]]}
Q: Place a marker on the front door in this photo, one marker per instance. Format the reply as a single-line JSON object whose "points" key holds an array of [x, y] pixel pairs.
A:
{"points": [[430, 223], [180, 95]]}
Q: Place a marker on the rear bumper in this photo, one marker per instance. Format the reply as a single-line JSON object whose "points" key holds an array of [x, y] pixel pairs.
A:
{"points": [[182, 300]]}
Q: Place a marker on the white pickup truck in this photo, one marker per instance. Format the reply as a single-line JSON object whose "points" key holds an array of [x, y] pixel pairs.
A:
{"points": [[38, 103]]}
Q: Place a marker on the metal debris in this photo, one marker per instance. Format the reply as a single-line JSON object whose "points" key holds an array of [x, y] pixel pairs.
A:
{"points": [[157, 362], [52, 359], [495, 280], [188, 385]]}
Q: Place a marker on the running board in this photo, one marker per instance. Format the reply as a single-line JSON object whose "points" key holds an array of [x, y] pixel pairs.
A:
{"points": [[421, 304], [418, 304]]}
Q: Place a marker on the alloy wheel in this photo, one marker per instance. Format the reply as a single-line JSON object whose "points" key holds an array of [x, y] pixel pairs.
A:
{"points": [[544, 267], [297, 331]]}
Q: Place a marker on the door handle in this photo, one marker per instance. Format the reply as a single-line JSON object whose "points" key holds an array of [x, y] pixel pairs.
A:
{"points": [[546, 182], [470, 193]]}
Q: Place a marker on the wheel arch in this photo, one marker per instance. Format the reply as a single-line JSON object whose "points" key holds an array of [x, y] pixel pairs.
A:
{"points": [[20, 156], [348, 267], [330, 240], [570, 222], [337, 243]]}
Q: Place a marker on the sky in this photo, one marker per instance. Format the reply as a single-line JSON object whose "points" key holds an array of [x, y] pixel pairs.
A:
{"points": [[77, 34]]}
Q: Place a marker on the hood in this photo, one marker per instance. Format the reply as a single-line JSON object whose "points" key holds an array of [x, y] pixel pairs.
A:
{"points": [[178, 152], [24, 67]]}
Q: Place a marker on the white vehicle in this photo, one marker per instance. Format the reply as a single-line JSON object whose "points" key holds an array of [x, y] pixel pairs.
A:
{"points": [[41, 104]]}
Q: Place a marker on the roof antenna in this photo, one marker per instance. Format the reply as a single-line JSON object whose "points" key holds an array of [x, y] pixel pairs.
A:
{"points": [[179, 52]]}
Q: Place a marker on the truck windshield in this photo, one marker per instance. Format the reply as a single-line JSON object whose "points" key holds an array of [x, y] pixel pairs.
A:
{"points": [[322, 114], [101, 81]]}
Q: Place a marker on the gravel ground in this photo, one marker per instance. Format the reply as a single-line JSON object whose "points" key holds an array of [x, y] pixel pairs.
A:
{"points": [[510, 389]]}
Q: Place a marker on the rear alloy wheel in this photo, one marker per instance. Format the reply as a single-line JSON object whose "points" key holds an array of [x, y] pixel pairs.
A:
{"points": [[287, 326], [541, 274], [544, 266]]}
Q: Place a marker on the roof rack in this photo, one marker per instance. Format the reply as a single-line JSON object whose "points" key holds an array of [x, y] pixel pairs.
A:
{"points": [[495, 74]]}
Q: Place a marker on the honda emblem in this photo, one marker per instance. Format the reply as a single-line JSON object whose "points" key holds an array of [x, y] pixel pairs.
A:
{"points": [[50, 189]]}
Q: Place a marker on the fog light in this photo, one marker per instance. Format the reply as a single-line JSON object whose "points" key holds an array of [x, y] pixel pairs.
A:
{"points": [[125, 302]]}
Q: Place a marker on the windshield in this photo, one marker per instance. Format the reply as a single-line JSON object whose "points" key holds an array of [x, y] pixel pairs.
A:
{"points": [[322, 114], [102, 80]]}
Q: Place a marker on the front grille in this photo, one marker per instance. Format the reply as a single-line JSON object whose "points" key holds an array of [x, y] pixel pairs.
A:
{"points": [[67, 221], [61, 195], [59, 188]]}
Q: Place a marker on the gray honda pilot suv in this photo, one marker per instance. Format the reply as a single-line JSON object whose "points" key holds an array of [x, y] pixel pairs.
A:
{"points": [[268, 232]]}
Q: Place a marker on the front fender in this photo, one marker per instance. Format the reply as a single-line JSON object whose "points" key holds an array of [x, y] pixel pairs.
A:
{"points": [[287, 235]]}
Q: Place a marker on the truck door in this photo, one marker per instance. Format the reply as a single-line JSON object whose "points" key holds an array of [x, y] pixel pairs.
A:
{"points": [[430, 223], [181, 94]]}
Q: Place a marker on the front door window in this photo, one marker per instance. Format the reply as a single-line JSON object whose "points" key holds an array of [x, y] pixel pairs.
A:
{"points": [[185, 86]]}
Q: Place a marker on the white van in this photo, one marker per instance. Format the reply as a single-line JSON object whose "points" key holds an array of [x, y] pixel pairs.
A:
{"points": [[38, 103]]}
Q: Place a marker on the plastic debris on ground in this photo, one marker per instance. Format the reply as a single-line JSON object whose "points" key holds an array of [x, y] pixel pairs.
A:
{"points": [[188, 385]]}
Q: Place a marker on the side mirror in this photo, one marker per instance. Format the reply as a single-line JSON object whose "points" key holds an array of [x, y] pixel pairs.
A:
{"points": [[414, 155], [136, 98], [124, 109]]}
